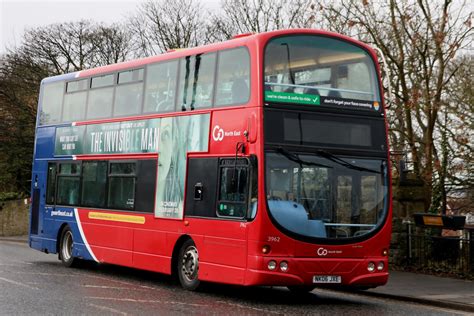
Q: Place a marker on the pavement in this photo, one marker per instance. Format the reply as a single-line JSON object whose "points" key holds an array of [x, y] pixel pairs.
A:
{"points": [[406, 286], [427, 289]]}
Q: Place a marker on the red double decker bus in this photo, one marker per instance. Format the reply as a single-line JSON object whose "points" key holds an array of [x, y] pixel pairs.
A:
{"points": [[261, 160]]}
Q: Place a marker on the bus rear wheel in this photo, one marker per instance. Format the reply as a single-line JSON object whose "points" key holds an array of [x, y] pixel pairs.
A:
{"points": [[66, 246], [188, 266]]}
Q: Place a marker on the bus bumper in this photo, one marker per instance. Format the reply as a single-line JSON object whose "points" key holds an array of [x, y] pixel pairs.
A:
{"points": [[301, 271]]}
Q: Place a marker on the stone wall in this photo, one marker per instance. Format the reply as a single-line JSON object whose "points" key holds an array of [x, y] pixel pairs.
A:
{"points": [[407, 200], [14, 217]]}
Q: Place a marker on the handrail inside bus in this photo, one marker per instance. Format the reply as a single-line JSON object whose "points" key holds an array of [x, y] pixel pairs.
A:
{"points": [[316, 87]]}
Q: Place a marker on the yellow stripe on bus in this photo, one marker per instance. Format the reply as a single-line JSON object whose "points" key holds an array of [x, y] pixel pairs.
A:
{"points": [[117, 217]]}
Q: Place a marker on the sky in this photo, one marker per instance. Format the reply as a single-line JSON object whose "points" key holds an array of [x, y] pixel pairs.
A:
{"points": [[18, 15]]}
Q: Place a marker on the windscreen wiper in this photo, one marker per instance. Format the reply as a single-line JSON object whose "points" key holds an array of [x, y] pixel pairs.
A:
{"points": [[342, 162], [296, 158]]}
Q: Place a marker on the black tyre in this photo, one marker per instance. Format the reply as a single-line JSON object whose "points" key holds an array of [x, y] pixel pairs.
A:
{"points": [[66, 246], [301, 289], [188, 266]]}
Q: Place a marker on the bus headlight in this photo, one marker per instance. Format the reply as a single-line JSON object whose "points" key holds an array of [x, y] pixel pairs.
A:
{"points": [[284, 266], [380, 266], [272, 265], [371, 267]]}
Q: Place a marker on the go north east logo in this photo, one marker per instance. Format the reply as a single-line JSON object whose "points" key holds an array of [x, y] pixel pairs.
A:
{"points": [[219, 133], [322, 252]]}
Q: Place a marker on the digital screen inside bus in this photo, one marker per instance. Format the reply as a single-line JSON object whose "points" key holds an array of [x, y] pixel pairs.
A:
{"points": [[320, 71]]}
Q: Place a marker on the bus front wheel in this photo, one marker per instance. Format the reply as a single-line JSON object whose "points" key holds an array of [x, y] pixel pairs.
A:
{"points": [[66, 245], [188, 266]]}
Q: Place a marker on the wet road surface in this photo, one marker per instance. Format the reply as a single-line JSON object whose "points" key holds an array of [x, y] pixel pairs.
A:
{"points": [[35, 283]]}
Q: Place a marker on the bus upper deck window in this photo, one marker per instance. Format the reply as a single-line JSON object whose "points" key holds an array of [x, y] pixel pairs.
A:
{"points": [[160, 90], [51, 103], [233, 77], [196, 85], [128, 99], [102, 81], [99, 104], [130, 76]]}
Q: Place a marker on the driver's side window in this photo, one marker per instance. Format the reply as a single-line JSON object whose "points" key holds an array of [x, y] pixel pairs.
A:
{"points": [[233, 188]]}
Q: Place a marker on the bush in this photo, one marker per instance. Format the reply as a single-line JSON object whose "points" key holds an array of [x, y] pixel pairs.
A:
{"points": [[5, 196]]}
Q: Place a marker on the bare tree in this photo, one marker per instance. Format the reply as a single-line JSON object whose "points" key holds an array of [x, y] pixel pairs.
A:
{"points": [[162, 25], [19, 85], [112, 44], [454, 163], [420, 40], [255, 16], [67, 47], [46, 51]]}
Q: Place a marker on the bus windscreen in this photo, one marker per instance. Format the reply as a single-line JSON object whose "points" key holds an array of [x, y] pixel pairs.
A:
{"points": [[320, 71]]}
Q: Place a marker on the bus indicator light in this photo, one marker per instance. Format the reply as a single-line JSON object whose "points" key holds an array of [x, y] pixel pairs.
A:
{"points": [[266, 249]]}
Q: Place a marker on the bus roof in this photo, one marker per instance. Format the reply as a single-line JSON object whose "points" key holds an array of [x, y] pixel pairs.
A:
{"points": [[258, 39]]}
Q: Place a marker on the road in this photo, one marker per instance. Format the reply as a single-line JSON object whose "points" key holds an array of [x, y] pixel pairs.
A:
{"points": [[35, 283]]}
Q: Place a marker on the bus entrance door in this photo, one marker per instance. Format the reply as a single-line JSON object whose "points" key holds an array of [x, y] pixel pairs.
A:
{"points": [[216, 200]]}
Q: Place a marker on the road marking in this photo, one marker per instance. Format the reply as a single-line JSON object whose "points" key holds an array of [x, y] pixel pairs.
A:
{"points": [[14, 263], [121, 282], [105, 287], [8, 265], [108, 309], [45, 273], [262, 310], [18, 283], [144, 301]]}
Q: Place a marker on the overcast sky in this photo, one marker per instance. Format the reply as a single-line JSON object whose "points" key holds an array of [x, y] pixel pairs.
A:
{"points": [[16, 15]]}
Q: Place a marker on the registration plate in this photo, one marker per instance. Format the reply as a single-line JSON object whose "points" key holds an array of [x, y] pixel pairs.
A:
{"points": [[327, 279]]}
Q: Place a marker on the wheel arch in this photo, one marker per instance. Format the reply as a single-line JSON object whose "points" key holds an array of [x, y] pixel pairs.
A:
{"points": [[58, 236], [174, 257]]}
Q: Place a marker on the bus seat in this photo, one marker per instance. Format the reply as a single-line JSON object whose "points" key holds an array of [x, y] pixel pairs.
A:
{"points": [[294, 217], [240, 91]]}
